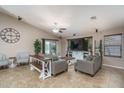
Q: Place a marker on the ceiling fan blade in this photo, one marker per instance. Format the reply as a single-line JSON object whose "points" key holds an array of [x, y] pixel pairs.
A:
{"points": [[62, 28], [60, 31]]}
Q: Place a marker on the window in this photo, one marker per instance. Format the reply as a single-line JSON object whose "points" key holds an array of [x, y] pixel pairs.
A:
{"points": [[113, 45], [50, 47]]}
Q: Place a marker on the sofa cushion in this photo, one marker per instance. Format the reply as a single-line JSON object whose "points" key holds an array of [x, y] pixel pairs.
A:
{"points": [[89, 58], [97, 54], [55, 58]]}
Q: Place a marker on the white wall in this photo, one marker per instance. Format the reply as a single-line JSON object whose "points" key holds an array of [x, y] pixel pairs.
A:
{"points": [[112, 61], [28, 35]]}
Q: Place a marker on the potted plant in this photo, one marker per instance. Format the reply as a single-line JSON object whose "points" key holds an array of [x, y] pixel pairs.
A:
{"points": [[37, 47]]}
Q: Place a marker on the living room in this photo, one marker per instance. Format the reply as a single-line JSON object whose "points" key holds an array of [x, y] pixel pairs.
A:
{"points": [[66, 46]]}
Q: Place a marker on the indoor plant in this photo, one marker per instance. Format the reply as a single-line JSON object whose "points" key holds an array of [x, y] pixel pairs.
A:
{"points": [[37, 46]]}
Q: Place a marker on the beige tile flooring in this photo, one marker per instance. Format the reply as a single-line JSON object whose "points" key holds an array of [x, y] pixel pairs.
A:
{"points": [[22, 77]]}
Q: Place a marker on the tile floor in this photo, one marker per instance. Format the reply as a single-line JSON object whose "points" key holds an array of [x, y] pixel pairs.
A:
{"points": [[22, 77]]}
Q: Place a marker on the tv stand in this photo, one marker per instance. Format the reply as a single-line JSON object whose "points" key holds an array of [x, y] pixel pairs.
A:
{"points": [[78, 54]]}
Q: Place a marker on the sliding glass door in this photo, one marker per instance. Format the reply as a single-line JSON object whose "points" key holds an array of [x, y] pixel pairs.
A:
{"points": [[50, 47]]}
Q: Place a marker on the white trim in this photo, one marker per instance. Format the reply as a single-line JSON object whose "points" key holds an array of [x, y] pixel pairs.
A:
{"points": [[36, 68], [113, 66]]}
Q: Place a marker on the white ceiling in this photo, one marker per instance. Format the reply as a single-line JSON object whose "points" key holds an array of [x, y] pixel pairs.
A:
{"points": [[75, 18]]}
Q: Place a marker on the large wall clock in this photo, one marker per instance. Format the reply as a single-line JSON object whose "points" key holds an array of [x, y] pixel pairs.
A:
{"points": [[10, 35]]}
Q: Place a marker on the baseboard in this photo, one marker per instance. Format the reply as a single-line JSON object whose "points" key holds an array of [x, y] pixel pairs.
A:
{"points": [[113, 66]]}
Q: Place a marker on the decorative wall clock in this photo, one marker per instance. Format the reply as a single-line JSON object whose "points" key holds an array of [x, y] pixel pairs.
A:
{"points": [[10, 35]]}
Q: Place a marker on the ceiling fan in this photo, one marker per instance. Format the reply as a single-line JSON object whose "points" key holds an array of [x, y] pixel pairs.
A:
{"points": [[57, 29]]}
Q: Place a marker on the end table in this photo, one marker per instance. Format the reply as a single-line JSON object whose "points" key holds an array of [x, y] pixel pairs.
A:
{"points": [[12, 60]]}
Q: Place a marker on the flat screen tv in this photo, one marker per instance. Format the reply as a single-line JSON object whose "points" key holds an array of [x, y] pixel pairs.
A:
{"points": [[80, 44]]}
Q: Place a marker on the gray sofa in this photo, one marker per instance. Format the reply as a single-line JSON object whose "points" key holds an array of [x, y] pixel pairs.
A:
{"points": [[89, 65], [58, 65]]}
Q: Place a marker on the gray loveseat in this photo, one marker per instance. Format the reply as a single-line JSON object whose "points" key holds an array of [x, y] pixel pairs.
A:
{"points": [[58, 65], [89, 66]]}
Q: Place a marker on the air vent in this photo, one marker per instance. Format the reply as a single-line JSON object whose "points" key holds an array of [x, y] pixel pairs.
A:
{"points": [[93, 17]]}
